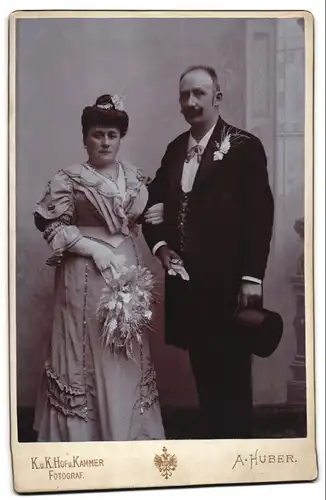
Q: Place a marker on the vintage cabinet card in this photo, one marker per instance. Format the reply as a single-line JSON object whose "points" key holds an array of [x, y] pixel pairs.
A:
{"points": [[123, 376]]}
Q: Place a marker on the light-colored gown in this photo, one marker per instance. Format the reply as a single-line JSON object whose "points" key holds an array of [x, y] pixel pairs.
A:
{"points": [[89, 393]]}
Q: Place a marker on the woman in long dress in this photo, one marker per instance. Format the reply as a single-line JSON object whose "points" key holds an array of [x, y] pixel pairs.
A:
{"points": [[88, 216]]}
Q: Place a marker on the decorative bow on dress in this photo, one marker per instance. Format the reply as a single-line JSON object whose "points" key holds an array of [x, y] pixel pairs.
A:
{"points": [[195, 150]]}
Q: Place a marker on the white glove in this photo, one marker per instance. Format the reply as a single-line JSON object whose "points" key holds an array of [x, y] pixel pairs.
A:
{"points": [[154, 214], [105, 260], [177, 268]]}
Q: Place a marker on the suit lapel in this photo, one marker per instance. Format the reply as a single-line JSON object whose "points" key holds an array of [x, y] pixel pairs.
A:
{"points": [[178, 162], [207, 164]]}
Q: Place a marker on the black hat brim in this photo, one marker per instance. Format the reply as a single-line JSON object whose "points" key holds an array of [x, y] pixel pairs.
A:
{"points": [[263, 330]]}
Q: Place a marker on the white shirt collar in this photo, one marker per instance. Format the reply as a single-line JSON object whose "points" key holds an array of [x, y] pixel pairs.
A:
{"points": [[203, 142]]}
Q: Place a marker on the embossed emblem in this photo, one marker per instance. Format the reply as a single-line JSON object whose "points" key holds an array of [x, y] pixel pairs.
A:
{"points": [[166, 463]]}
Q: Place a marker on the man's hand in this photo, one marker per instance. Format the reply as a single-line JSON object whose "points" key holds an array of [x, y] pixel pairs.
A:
{"points": [[250, 295], [171, 262]]}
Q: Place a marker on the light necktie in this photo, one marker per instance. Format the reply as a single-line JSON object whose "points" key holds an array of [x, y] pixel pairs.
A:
{"points": [[195, 150]]}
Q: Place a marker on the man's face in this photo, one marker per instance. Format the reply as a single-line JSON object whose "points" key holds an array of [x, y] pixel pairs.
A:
{"points": [[196, 97]]}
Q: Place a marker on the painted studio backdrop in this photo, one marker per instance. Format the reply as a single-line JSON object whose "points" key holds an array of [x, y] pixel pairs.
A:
{"points": [[64, 64]]}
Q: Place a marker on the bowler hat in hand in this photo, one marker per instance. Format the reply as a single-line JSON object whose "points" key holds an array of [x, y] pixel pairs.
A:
{"points": [[262, 328]]}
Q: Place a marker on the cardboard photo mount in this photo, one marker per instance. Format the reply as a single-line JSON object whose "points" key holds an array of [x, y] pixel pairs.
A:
{"points": [[49, 467]]}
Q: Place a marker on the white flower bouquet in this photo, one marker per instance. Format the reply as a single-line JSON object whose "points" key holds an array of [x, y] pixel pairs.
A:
{"points": [[124, 308]]}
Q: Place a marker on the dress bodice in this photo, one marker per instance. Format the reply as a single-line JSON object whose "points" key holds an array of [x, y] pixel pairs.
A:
{"points": [[85, 198]]}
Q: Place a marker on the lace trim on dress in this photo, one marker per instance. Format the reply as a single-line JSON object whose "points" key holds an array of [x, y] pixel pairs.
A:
{"points": [[121, 206], [54, 227], [133, 186], [148, 389], [69, 400]]}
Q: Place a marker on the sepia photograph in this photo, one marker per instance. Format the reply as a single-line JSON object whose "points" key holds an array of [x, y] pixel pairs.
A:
{"points": [[161, 277]]}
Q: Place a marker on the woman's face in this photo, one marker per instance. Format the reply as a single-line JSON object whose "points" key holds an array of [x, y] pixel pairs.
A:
{"points": [[102, 144]]}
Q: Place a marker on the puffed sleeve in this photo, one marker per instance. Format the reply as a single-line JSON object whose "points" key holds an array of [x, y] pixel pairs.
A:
{"points": [[54, 214]]}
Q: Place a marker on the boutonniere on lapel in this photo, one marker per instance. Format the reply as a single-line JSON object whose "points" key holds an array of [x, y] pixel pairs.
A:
{"points": [[228, 140]]}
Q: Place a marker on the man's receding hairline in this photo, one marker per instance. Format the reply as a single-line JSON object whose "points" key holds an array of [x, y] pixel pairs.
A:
{"points": [[194, 71]]}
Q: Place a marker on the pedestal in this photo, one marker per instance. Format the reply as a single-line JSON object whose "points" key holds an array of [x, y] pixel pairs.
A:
{"points": [[296, 390]]}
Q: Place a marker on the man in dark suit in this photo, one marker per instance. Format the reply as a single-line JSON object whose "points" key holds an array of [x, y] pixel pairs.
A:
{"points": [[218, 218]]}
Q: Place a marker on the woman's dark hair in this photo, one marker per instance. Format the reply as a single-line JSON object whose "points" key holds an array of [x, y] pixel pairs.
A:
{"points": [[106, 112]]}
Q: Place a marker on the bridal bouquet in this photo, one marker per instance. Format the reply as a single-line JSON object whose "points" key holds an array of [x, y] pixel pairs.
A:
{"points": [[124, 308]]}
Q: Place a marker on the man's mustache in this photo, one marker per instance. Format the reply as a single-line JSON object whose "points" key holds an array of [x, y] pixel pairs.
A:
{"points": [[192, 112]]}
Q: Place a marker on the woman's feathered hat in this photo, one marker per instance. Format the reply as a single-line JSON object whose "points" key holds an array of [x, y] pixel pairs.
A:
{"points": [[108, 110]]}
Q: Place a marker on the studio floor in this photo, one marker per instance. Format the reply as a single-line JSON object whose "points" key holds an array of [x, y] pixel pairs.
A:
{"points": [[281, 421]]}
